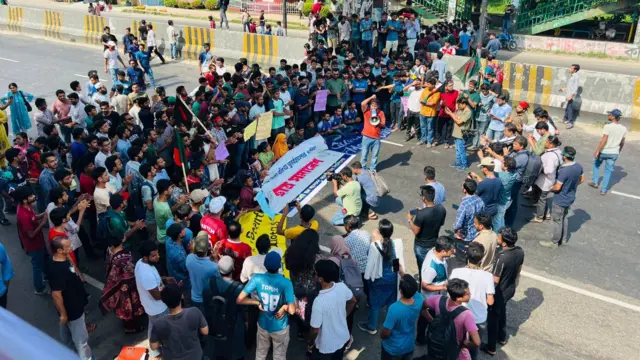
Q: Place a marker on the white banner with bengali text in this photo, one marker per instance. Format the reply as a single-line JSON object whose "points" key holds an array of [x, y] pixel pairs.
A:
{"points": [[296, 170]]}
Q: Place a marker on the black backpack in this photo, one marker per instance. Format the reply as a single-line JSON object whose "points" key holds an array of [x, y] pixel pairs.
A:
{"points": [[102, 230], [221, 315], [442, 343], [531, 172], [351, 276]]}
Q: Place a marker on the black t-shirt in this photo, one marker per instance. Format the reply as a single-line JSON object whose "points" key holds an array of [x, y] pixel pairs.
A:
{"points": [[18, 176], [383, 96], [507, 267], [146, 118], [143, 32], [62, 277], [194, 223], [429, 219], [108, 37]]}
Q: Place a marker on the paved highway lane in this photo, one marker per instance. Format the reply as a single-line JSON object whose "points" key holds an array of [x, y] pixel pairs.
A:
{"points": [[576, 302]]}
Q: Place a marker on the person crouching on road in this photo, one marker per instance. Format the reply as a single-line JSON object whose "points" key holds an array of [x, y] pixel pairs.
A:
{"points": [[368, 191], [347, 197]]}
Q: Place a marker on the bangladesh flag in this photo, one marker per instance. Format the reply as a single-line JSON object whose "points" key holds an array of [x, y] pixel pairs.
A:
{"points": [[470, 68], [179, 152]]}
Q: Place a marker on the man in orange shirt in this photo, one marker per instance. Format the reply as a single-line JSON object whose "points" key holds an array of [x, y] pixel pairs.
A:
{"points": [[374, 121], [430, 100]]}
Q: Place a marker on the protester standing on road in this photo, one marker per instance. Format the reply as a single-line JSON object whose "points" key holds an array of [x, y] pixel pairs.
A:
{"points": [[31, 238], [470, 205], [143, 58], [111, 58], [542, 194], [172, 37], [19, 107], [275, 301], [481, 287], [608, 150], [374, 122], [573, 83], [334, 304], [70, 299], [224, 5], [399, 326], [429, 99], [430, 180], [426, 224], [506, 274], [489, 188], [570, 175], [487, 238]]}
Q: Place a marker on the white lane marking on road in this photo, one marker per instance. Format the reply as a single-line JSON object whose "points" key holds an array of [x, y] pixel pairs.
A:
{"points": [[93, 282], [627, 195], [86, 77], [391, 143], [10, 60], [581, 291]]}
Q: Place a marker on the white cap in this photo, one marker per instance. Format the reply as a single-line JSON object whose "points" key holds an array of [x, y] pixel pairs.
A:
{"points": [[217, 204], [98, 85], [111, 43]]}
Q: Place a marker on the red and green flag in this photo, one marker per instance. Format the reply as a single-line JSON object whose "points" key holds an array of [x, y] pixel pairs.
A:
{"points": [[180, 152], [470, 68]]}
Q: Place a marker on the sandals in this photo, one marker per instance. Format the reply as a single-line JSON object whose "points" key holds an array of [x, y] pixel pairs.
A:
{"points": [[373, 216]]}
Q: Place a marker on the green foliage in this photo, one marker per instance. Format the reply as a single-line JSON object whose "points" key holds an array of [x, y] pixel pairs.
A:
{"points": [[324, 11], [171, 3], [306, 10], [197, 4], [212, 5], [184, 4]]}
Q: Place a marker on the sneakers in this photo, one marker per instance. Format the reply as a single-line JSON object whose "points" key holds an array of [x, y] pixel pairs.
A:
{"points": [[462, 169], [45, 291], [453, 165], [569, 126], [419, 142], [430, 145], [365, 327], [5, 222], [548, 244], [593, 185]]}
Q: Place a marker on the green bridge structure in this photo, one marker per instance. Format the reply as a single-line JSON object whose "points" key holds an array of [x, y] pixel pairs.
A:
{"points": [[534, 17]]}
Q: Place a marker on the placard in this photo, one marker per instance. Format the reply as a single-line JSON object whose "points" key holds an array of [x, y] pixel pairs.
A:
{"points": [[321, 100], [264, 122]]}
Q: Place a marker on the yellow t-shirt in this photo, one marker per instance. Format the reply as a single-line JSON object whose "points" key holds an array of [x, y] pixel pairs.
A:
{"points": [[295, 231], [429, 111]]}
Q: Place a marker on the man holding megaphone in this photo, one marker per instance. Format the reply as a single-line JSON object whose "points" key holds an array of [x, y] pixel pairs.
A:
{"points": [[374, 121]]}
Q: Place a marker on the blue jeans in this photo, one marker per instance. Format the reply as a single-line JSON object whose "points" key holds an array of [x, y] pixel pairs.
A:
{"points": [[461, 153], [495, 134], [426, 124], [37, 268], [420, 252], [481, 129], [223, 17], [498, 219], [366, 47], [372, 318], [397, 113], [174, 48], [610, 161], [373, 146], [114, 74], [149, 73], [338, 218]]}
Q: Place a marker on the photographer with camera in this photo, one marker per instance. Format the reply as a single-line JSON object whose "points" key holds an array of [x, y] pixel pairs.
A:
{"points": [[368, 193], [498, 149], [347, 197]]}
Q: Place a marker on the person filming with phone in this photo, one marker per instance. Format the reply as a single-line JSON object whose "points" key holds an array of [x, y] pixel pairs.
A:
{"points": [[347, 192]]}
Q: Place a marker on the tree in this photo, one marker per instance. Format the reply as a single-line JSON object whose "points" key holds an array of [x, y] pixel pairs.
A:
{"points": [[483, 22]]}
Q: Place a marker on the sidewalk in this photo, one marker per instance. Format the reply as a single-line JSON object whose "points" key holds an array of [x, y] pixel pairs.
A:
{"points": [[197, 18]]}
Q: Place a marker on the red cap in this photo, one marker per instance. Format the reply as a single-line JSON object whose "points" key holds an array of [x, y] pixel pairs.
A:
{"points": [[524, 105]]}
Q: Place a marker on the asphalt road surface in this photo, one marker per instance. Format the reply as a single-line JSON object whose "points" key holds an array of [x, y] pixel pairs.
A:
{"points": [[580, 301]]}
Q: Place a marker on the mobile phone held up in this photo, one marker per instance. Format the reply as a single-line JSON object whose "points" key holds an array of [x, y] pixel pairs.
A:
{"points": [[396, 265]]}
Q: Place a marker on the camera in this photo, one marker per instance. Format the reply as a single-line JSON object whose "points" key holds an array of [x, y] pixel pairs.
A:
{"points": [[334, 176], [292, 204]]}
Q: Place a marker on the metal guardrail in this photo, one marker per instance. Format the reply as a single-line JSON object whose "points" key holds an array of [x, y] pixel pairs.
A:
{"points": [[269, 8], [556, 10]]}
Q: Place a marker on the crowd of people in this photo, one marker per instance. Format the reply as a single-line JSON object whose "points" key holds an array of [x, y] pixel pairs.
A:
{"points": [[133, 177]]}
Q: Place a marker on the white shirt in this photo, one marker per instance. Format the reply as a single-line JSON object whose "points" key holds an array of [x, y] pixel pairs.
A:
{"points": [[434, 272], [78, 115], [97, 98], [551, 160], [532, 128], [329, 314], [252, 265], [480, 285], [344, 30], [120, 103], [151, 38], [286, 97], [171, 35], [414, 100], [147, 278], [112, 58], [101, 158], [101, 199], [616, 133], [135, 109], [221, 70]]}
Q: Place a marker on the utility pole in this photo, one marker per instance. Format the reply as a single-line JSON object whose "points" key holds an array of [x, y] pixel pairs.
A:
{"points": [[284, 16]]}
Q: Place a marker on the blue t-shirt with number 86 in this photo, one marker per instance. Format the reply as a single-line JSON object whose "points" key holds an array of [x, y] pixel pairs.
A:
{"points": [[274, 290]]}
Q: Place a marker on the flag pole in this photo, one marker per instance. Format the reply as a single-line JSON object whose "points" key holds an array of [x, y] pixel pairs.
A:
{"points": [[195, 117], [186, 181]]}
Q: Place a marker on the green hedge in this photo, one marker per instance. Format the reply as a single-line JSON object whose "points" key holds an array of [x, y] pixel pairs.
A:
{"points": [[306, 10], [211, 5], [171, 3]]}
